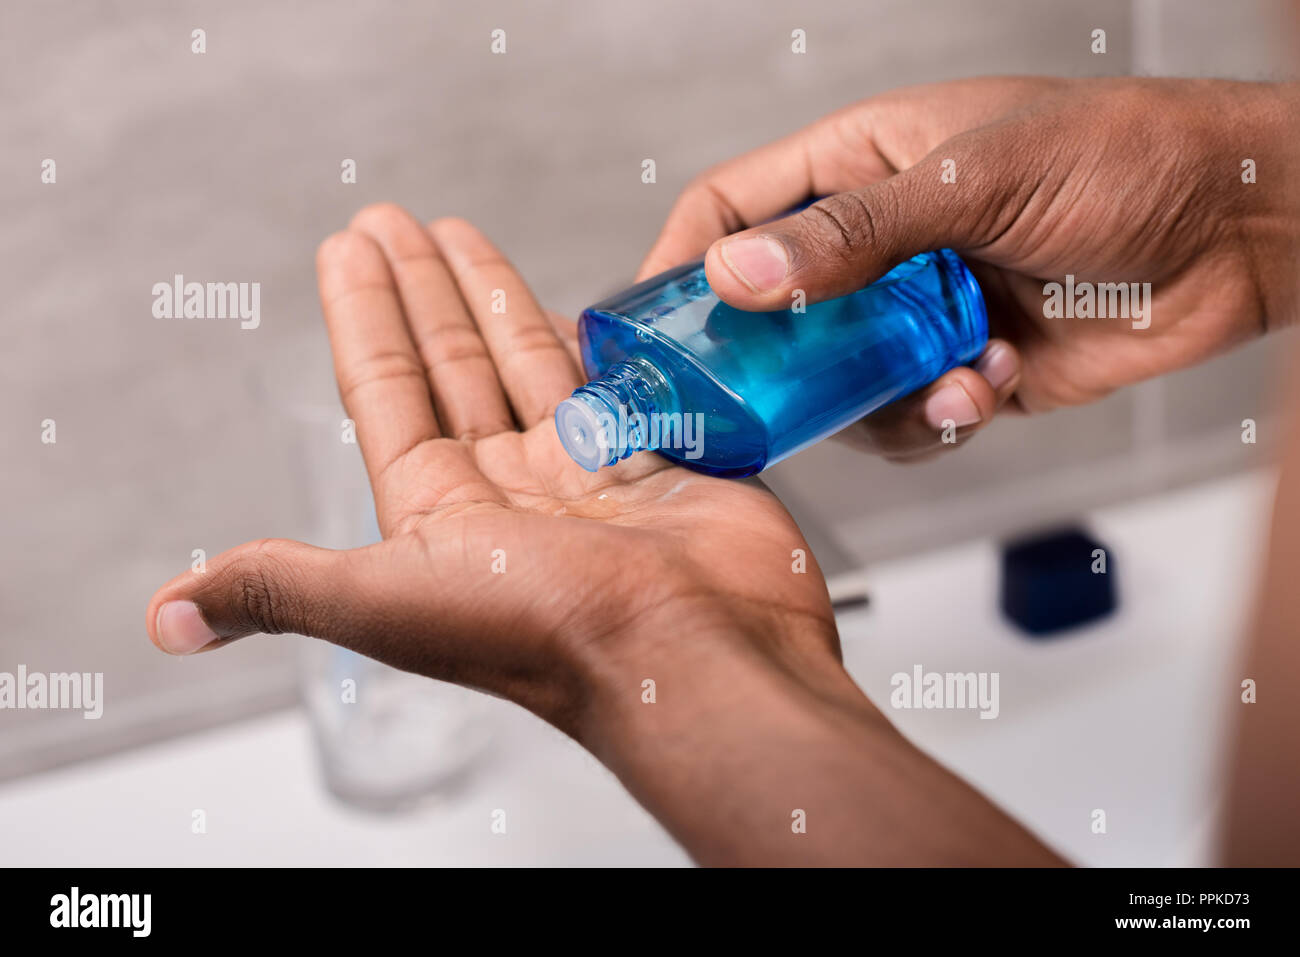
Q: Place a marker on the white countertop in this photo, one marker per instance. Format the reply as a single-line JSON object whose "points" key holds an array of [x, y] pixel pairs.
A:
{"points": [[1125, 716]]}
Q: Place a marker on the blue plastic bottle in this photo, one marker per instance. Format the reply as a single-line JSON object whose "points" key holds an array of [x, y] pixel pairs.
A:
{"points": [[676, 370]]}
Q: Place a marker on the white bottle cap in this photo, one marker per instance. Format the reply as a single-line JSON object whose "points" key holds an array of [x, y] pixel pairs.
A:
{"points": [[582, 433]]}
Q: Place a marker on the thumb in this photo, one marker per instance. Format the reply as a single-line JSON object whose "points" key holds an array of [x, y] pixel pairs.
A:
{"points": [[271, 586], [842, 242]]}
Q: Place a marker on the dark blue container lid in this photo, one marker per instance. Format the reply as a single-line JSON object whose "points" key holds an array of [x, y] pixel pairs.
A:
{"points": [[1057, 580]]}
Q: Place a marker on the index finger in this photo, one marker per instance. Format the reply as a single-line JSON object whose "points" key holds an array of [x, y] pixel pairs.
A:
{"points": [[381, 379], [761, 184], [846, 150]]}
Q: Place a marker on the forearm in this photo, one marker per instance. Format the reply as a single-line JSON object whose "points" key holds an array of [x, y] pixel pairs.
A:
{"points": [[736, 744]]}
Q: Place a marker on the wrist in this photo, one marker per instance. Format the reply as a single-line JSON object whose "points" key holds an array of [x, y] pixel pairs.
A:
{"points": [[705, 663], [751, 728]]}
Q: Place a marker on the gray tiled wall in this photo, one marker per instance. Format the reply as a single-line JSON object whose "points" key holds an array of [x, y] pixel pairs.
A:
{"points": [[175, 436]]}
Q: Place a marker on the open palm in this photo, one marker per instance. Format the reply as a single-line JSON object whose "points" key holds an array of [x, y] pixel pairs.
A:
{"points": [[504, 565]]}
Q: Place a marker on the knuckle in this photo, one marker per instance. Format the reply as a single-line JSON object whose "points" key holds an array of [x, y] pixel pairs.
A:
{"points": [[699, 189], [703, 193], [256, 604], [990, 199], [523, 338], [381, 367], [258, 598], [850, 223], [451, 344]]}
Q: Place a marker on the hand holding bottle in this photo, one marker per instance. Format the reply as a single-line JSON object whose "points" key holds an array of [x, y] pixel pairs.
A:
{"points": [[1030, 179]]}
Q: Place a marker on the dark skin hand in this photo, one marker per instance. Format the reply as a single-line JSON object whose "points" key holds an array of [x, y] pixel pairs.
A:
{"points": [[1111, 180], [453, 409]]}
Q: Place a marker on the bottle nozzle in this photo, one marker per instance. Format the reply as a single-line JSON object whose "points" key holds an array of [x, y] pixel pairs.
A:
{"points": [[584, 434]]}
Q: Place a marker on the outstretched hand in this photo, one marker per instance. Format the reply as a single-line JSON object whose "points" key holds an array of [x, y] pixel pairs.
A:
{"points": [[504, 565]]}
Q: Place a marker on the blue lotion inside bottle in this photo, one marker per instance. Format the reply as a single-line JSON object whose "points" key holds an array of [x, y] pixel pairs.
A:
{"points": [[676, 370]]}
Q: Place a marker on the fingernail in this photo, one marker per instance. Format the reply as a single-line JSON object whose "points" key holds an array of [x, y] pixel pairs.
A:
{"points": [[760, 262], [951, 404], [181, 629], [997, 365]]}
